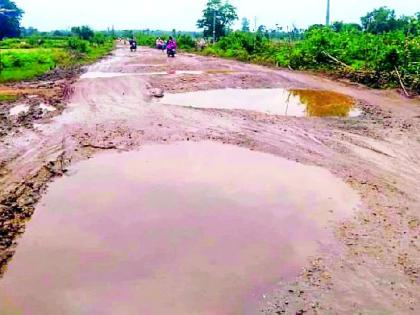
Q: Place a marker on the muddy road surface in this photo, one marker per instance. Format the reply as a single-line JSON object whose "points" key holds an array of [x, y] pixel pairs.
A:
{"points": [[364, 262]]}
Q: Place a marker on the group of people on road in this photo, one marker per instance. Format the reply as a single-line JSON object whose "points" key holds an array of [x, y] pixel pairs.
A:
{"points": [[170, 46], [162, 45]]}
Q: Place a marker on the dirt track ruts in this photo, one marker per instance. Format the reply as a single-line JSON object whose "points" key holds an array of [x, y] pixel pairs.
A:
{"points": [[378, 154]]}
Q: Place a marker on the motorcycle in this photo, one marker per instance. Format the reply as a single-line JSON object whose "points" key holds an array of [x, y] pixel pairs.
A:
{"points": [[133, 46], [171, 52]]}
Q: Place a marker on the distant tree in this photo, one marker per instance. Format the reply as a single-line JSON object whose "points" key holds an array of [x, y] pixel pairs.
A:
{"points": [[316, 27], [128, 33], [261, 29], [10, 16], [224, 15], [60, 33], [409, 24], [83, 32], [379, 21], [28, 32], [245, 25], [340, 26]]}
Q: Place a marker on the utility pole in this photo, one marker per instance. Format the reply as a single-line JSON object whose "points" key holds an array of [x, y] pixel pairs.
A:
{"points": [[328, 13], [214, 25]]}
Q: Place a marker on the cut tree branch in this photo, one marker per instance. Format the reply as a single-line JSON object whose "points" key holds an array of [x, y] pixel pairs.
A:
{"points": [[401, 82]]}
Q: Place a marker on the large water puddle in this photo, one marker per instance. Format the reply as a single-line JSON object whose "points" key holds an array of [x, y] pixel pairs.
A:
{"points": [[298, 103], [189, 228]]}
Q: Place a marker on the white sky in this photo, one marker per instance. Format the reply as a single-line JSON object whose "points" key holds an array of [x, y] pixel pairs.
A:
{"points": [[183, 14]]}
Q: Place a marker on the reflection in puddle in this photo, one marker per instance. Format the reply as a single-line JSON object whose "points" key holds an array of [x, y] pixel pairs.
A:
{"points": [[298, 103], [189, 228], [326, 103]]}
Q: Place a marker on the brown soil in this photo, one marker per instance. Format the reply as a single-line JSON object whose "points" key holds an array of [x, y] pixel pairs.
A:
{"points": [[378, 154]]}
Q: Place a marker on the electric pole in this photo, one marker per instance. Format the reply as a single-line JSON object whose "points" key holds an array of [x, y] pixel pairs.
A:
{"points": [[328, 13], [214, 25]]}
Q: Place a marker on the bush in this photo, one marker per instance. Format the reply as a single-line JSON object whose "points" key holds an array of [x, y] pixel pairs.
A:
{"points": [[364, 53], [186, 42], [78, 45]]}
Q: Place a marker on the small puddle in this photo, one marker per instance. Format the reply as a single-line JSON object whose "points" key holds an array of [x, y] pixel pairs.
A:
{"points": [[189, 228], [16, 110], [298, 103]]}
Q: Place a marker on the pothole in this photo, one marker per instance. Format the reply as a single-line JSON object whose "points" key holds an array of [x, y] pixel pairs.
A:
{"points": [[297, 103], [188, 228]]}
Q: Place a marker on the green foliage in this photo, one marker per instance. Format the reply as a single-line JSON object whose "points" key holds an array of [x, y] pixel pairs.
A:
{"points": [[384, 20], [8, 98], [27, 58], [28, 63], [143, 39], [367, 55], [78, 45], [83, 32], [223, 14], [185, 42], [245, 25], [10, 16]]}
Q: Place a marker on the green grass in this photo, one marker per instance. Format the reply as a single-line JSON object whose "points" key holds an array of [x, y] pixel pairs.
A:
{"points": [[17, 64], [8, 98], [22, 64]]}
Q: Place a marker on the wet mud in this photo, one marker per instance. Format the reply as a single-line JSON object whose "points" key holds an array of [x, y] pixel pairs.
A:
{"points": [[376, 153]]}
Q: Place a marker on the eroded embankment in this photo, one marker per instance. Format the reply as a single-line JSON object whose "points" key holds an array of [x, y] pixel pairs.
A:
{"points": [[376, 153]]}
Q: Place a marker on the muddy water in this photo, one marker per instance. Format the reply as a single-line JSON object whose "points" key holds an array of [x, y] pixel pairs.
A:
{"points": [[179, 229], [298, 103]]}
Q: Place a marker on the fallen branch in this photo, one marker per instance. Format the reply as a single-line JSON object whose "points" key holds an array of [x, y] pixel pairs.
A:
{"points": [[401, 82], [335, 59]]}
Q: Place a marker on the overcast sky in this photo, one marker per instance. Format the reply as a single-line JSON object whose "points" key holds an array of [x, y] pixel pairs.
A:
{"points": [[183, 14]]}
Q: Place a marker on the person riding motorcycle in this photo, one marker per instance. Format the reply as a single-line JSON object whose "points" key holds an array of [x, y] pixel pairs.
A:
{"points": [[133, 45], [171, 47]]}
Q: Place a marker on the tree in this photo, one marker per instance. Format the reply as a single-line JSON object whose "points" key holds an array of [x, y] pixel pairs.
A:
{"points": [[340, 26], [217, 16], [380, 21], [10, 16], [28, 32], [245, 25], [84, 32]]}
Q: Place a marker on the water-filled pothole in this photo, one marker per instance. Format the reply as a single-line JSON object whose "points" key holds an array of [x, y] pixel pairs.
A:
{"points": [[298, 103], [189, 228]]}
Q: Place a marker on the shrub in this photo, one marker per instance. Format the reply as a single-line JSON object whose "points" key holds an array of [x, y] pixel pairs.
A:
{"points": [[78, 45]]}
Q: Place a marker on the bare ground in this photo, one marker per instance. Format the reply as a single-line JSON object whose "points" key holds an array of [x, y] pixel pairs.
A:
{"points": [[378, 154]]}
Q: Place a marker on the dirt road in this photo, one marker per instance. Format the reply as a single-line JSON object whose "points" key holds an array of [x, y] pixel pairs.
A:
{"points": [[113, 107]]}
